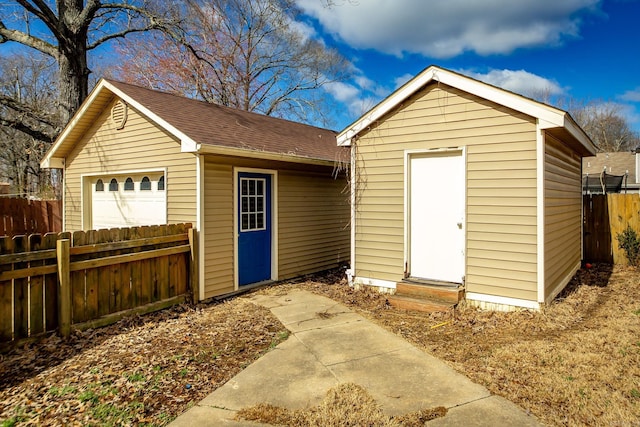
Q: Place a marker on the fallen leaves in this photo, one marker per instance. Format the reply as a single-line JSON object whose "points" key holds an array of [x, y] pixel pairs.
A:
{"points": [[145, 369]]}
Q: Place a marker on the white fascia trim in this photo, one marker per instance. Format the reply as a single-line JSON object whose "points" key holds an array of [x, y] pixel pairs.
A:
{"points": [[48, 160], [64, 199], [52, 163], [580, 135], [494, 299], [186, 143], [480, 89], [368, 281], [200, 203], [353, 188], [262, 155], [344, 137], [540, 201]]}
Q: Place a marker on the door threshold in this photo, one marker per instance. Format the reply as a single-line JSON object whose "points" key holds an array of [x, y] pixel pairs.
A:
{"points": [[431, 282]]}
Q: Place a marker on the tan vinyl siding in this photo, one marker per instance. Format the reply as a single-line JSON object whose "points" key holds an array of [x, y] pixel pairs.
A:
{"points": [[313, 215], [139, 145], [563, 213], [218, 229], [501, 188]]}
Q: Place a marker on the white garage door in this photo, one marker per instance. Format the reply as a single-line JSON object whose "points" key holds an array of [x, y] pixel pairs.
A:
{"points": [[128, 200]]}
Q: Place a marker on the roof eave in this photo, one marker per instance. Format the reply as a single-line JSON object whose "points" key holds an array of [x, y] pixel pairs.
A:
{"points": [[47, 161], [543, 113], [575, 131], [55, 152], [263, 155]]}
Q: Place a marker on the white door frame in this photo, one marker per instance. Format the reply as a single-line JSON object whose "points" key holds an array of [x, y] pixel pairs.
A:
{"points": [[274, 221], [407, 196]]}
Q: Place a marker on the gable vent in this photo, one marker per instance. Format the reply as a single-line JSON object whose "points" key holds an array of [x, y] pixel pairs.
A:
{"points": [[119, 114]]}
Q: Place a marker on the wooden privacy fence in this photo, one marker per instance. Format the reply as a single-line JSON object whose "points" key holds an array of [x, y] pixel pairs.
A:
{"points": [[605, 216], [24, 216], [93, 278]]}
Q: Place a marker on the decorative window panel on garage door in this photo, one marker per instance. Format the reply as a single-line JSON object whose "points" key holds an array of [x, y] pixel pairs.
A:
{"points": [[127, 200]]}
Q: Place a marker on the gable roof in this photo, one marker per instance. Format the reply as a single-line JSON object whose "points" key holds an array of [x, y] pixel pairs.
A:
{"points": [[203, 127], [548, 117]]}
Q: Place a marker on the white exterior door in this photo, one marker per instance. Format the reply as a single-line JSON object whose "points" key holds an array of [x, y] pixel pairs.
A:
{"points": [[437, 216], [128, 200]]}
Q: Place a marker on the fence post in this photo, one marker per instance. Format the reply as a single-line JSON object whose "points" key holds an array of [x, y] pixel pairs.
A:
{"points": [[64, 288], [193, 265]]}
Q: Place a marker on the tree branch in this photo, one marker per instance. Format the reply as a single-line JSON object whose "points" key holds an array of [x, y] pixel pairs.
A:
{"points": [[121, 34], [154, 22], [27, 40], [89, 12], [19, 125], [42, 11], [24, 110]]}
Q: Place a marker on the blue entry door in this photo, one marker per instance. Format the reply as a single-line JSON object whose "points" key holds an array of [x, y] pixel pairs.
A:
{"points": [[254, 228]]}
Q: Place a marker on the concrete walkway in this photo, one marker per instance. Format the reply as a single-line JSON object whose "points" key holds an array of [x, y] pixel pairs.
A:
{"points": [[329, 345]]}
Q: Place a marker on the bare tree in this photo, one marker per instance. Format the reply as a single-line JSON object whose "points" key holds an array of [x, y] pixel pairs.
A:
{"points": [[27, 81], [65, 30], [607, 126], [604, 122], [248, 54]]}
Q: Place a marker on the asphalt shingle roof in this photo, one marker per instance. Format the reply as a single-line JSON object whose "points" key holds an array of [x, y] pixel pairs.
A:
{"points": [[217, 125]]}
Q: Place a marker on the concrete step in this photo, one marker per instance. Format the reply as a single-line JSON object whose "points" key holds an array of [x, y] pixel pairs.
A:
{"points": [[419, 304], [451, 294]]}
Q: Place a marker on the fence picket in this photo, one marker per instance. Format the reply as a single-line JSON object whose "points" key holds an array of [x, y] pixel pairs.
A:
{"points": [[51, 284], [77, 282], [20, 292], [6, 294], [23, 216], [104, 279], [36, 290], [606, 216]]}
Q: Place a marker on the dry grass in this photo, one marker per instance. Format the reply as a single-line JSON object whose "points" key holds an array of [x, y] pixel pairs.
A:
{"points": [[346, 405], [141, 371], [575, 363]]}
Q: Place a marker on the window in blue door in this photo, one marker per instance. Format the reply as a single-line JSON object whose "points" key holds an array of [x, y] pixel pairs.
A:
{"points": [[254, 228]]}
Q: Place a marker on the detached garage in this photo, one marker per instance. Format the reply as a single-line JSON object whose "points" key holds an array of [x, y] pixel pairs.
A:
{"points": [[460, 184], [266, 195]]}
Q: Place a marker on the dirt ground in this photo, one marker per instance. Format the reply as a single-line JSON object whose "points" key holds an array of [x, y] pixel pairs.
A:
{"points": [[575, 363]]}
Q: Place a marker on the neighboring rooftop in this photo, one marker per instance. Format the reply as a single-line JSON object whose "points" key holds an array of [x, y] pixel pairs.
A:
{"points": [[616, 163]]}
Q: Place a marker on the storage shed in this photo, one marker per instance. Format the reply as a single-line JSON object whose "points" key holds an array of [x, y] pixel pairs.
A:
{"points": [[459, 182], [266, 195]]}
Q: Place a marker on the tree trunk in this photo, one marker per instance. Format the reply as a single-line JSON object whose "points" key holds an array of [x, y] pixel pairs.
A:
{"points": [[72, 60], [74, 79]]}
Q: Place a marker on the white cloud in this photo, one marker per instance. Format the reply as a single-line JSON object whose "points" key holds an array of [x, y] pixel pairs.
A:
{"points": [[631, 95], [399, 81], [342, 92], [360, 95], [519, 81], [305, 30], [446, 28]]}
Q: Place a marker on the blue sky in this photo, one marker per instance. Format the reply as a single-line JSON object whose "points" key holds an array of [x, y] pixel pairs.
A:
{"points": [[587, 50]]}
